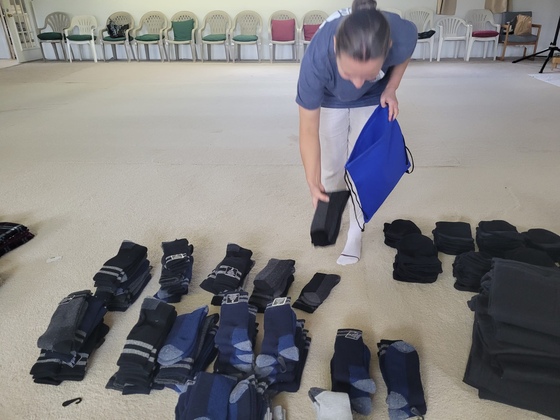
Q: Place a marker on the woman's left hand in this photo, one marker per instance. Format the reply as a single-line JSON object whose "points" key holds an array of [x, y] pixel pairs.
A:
{"points": [[389, 98]]}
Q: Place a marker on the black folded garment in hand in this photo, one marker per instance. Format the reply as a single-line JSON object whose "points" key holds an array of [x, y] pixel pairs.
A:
{"points": [[326, 221]]}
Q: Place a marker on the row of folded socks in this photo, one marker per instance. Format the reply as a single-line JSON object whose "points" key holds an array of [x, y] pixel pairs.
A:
{"points": [[417, 261], [75, 330], [352, 386], [13, 235], [515, 353]]}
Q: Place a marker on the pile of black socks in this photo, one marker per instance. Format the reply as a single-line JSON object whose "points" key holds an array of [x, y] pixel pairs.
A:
{"points": [[468, 270], [515, 353], [188, 349], [122, 278], [453, 238], [530, 256], [495, 237], [400, 368], [350, 369], [284, 348], [271, 282], [235, 338], [230, 273], [176, 271], [214, 396], [138, 360], [397, 229], [416, 260], [316, 292], [543, 240], [13, 235], [76, 329], [325, 225]]}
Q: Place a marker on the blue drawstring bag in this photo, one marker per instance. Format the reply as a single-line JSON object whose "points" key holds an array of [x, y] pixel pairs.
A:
{"points": [[378, 162]]}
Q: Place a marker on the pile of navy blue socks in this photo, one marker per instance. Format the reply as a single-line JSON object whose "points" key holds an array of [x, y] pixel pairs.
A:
{"points": [[76, 329], [235, 338], [350, 369], [13, 235], [416, 260], [271, 282], [495, 237], [400, 368], [123, 277], [188, 348], [176, 271], [230, 273], [453, 238], [138, 360]]}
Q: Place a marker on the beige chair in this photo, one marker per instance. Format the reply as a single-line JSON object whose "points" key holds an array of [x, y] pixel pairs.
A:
{"points": [[455, 29], [423, 19], [310, 24], [214, 31], [57, 22], [150, 31], [123, 24], [283, 30], [482, 29], [81, 32], [246, 30], [183, 28]]}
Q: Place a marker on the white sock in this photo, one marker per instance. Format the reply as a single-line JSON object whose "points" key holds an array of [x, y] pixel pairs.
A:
{"points": [[330, 405], [353, 248]]}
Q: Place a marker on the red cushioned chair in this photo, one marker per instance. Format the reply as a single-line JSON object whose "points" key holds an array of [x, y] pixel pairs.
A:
{"points": [[482, 29], [311, 22], [283, 30]]}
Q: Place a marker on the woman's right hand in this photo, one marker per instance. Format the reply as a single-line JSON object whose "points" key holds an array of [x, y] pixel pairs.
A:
{"points": [[318, 193]]}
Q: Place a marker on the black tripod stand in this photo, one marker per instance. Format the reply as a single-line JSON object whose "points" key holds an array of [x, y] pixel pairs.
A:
{"points": [[551, 49]]}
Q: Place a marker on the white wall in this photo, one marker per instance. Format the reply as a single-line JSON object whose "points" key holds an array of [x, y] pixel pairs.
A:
{"points": [[545, 12]]}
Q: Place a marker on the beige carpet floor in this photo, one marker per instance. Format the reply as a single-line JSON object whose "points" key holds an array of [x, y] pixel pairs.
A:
{"points": [[92, 154]]}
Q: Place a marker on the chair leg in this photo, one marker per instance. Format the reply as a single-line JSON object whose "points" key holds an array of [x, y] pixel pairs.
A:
{"points": [[114, 50], [125, 46], [503, 53], [469, 49], [440, 44], [94, 53], [495, 52], [55, 51], [63, 50], [226, 51], [42, 52], [193, 52]]}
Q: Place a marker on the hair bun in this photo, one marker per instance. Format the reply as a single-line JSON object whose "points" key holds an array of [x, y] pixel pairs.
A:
{"points": [[364, 5]]}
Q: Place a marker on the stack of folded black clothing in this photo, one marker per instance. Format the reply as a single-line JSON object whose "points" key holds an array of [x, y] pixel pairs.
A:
{"points": [[543, 240], [138, 360], [176, 271], [453, 238], [398, 228], [76, 329], [122, 278], [271, 282], [468, 270], [235, 338], [530, 256], [495, 237], [515, 353], [13, 235], [188, 349], [416, 260], [230, 273]]}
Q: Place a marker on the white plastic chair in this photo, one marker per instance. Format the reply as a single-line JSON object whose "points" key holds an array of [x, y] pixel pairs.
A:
{"points": [[176, 41], [155, 25], [119, 18], [483, 29], [214, 31], [423, 18], [246, 30], [314, 17], [86, 25], [57, 22], [453, 28], [283, 15]]}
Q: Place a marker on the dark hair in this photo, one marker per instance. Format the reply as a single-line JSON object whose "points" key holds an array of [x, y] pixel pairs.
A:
{"points": [[365, 33]]}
